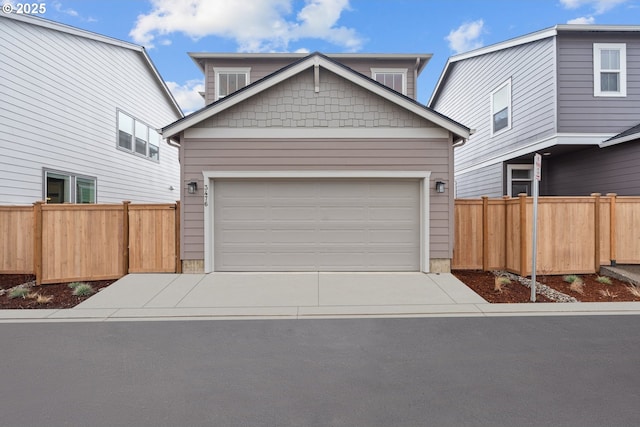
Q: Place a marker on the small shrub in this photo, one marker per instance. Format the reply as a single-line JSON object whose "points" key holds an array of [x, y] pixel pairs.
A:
{"points": [[18, 292], [74, 285], [577, 286], [32, 295], [570, 278], [604, 280], [83, 290], [499, 282]]}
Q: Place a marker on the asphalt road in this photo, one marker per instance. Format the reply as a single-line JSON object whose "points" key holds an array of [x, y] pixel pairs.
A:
{"points": [[512, 371]]}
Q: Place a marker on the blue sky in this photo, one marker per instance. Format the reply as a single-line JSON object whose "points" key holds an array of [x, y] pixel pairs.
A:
{"points": [[171, 28]]}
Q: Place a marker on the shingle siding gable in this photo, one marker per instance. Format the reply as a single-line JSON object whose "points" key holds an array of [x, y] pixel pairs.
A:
{"points": [[294, 103]]}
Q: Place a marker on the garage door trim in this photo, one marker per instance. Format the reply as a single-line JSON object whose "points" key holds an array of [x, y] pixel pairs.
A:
{"points": [[211, 176]]}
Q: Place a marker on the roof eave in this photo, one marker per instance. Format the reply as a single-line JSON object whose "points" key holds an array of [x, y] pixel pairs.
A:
{"points": [[53, 25], [614, 141], [527, 38], [56, 26], [311, 60]]}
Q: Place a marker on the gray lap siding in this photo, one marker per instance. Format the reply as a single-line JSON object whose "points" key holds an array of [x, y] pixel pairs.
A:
{"points": [[200, 155]]}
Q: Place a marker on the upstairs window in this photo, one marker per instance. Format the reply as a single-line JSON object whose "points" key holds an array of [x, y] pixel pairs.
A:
{"points": [[394, 78], [501, 108], [136, 137], [609, 69], [229, 80]]}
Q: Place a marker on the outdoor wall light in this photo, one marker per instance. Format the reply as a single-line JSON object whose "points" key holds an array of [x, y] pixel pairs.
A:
{"points": [[192, 187], [439, 186]]}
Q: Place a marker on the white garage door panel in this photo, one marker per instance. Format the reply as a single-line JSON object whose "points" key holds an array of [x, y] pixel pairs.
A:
{"points": [[316, 225]]}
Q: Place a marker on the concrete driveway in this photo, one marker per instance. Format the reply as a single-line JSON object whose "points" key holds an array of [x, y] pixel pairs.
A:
{"points": [[282, 294]]}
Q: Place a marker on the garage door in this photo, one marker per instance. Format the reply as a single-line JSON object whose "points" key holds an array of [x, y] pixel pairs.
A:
{"points": [[316, 225]]}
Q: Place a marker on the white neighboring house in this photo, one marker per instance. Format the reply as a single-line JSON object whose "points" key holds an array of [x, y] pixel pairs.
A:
{"points": [[79, 114]]}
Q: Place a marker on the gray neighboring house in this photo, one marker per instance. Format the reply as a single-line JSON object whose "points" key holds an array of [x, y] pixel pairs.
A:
{"points": [[79, 118], [571, 93], [315, 163]]}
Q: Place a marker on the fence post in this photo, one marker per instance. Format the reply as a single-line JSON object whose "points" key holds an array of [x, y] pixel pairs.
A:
{"points": [[612, 229], [177, 239], [37, 241], [523, 234], [125, 237], [596, 230], [506, 230], [485, 233]]}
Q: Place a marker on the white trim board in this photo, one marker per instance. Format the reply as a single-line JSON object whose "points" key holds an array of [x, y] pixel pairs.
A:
{"points": [[557, 139], [211, 176], [316, 133]]}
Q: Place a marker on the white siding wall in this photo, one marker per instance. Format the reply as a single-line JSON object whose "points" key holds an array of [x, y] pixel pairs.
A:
{"points": [[465, 97], [59, 94]]}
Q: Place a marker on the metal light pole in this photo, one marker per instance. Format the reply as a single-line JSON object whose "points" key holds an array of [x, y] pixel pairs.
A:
{"points": [[537, 169]]}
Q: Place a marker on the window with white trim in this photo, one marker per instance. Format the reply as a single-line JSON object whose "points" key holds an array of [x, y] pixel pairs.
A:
{"points": [[501, 108], [609, 69], [395, 78], [229, 80], [64, 187], [519, 179], [136, 137]]}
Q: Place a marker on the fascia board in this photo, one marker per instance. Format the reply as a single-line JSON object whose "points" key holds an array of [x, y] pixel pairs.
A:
{"points": [[616, 141]]}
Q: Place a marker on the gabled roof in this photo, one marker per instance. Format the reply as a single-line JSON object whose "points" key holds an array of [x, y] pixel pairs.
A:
{"points": [[626, 136], [528, 38], [421, 59], [56, 26], [316, 59]]}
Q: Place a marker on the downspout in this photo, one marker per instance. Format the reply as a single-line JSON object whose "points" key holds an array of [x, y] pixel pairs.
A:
{"points": [[463, 140], [171, 142]]}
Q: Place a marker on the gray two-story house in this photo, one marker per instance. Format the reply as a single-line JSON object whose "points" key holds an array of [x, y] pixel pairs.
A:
{"points": [[570, 93], [315, 163]]}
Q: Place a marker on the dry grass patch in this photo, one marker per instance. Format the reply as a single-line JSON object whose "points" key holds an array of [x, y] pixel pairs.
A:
{"points": [[499, 282], [607, 293], [634, 290], [577, 286]]}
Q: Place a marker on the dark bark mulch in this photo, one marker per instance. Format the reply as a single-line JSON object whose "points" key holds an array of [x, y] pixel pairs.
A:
{"points": [[483, 283], [62, 296]]}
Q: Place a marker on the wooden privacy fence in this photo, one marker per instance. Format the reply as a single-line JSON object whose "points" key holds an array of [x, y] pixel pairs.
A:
{"points": [[575, 234], [62, 243]]}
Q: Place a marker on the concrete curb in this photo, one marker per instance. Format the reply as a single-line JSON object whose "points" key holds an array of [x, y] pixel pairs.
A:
{"points": [[325, 312]]}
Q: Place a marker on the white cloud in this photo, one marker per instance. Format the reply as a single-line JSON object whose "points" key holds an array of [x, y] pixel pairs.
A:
{"points": [[582, 20], [599, 6], [71, 12], [256, 26], [187, 95], [466, 37]]}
